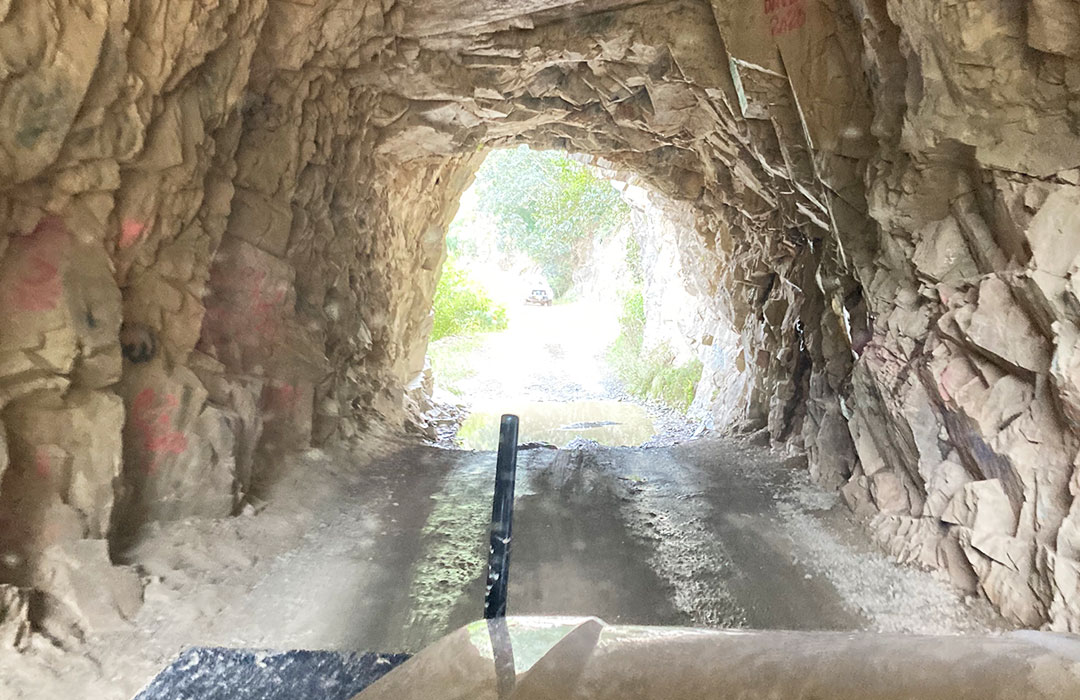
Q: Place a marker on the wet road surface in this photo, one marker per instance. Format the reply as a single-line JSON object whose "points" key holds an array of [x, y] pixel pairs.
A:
{"points": [[699, 534], [384, 549]]}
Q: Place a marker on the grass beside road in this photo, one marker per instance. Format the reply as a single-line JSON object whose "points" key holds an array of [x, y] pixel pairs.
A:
{"points": [[650, 373], [452, 360]]}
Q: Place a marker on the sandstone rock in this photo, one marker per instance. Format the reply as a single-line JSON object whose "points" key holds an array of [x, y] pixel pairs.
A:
{"points": [[1000, 328], [983, 507], [888, 492], [1010, 591], [249, 310], [1013, 552], [945, 481], [14, 617], [910, 540], [99, 596], [942, 253], [882, 198], [71, 444], [240, 401], [42, 99], [286, 408], [950, 557], [1065, 607], [179, 451], [856, 493], [65, 455], [1054, 26], [60, 312], [951, 56], [1051, 233]]}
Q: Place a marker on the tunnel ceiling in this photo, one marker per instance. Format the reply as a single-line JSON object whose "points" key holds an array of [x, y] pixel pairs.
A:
{"points": [[223, 223]]}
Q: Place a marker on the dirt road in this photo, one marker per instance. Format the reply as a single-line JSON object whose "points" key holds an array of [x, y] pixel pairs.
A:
{"points": [[390, 556], [550, 367], [547, 353]]}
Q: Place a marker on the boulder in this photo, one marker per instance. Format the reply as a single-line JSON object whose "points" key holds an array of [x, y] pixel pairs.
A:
{"points": [[946, 479], [82, 583], [983, 507], [179, 450]]}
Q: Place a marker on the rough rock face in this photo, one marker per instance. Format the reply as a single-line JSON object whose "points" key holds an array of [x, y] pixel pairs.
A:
{"points": [[887, 203]]}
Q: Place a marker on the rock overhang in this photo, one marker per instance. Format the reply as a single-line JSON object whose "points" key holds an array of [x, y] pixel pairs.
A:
{"points": [[877, 189]]}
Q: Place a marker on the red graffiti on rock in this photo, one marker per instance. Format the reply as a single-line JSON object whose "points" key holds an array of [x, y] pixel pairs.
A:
{"points": [[42, 463], [130, 232], [247, 308], [153, 418], [785, 15], [37, 284], [280, 399], [265, 302]]}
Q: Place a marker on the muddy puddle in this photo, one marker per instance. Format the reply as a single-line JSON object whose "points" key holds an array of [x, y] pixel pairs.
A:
{"points": [[607, 422]]}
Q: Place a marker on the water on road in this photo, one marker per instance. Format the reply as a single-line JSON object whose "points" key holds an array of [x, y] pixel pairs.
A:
{"points": [[606, 422]]}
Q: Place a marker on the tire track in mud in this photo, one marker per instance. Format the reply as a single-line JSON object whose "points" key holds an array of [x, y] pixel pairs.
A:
{"points": [[574, 552], [686, 553], [454, 551], [711, 533]]}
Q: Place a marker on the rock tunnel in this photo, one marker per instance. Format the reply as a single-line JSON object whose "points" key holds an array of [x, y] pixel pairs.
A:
{"points": [[224, 222]]}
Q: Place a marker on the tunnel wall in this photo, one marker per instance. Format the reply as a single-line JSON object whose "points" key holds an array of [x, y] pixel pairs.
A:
{"points": [[272, 279], [222, 224]]}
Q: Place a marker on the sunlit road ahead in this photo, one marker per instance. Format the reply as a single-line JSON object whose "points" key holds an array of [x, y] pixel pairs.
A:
{"points": [[547, 353]]}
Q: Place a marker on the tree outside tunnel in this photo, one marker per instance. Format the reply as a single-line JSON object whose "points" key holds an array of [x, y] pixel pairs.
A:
{"points": [[542, 207], [552, 220], [549, 207]]}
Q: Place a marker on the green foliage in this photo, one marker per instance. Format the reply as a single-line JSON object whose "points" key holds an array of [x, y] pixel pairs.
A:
{"points": [[459, 247], [549, 207], [650, 374], [632, 318], [675, 385], [452, 360], [462, 307], [458, 243], [633, 260]]}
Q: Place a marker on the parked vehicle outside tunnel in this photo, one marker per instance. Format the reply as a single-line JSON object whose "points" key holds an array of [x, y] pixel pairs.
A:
{"points": [[539, 297]]}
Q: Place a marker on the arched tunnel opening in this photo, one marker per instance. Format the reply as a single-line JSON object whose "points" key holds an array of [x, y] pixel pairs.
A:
{"points": [[563, 300], [224, 225]]}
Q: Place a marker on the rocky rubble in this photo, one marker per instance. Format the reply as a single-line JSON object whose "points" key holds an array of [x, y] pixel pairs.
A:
{"points": [[222, 223]]}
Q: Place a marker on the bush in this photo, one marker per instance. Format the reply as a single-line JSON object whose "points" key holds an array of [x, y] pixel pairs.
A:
{"points": [[452, 360], [632, 319], [549, 207], [650, 374], [461, 306], [675, 385]]}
